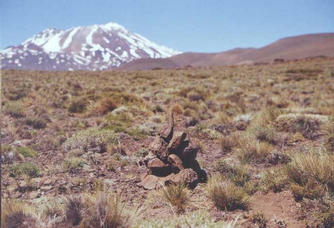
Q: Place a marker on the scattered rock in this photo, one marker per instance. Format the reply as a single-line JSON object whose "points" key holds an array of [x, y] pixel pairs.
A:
{"points": [[157, 167], [175, 162], [172, 159], [187, 176]]}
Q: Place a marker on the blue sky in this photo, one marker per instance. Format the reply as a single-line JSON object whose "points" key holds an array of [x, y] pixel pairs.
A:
{"points": [[185, 25]]}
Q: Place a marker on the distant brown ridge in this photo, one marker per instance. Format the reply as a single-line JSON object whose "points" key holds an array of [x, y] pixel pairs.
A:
{"points": [[295, 47]]}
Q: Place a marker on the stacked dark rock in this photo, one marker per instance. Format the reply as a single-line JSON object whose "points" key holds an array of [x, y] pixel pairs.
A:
{"points": [[172, 159]]}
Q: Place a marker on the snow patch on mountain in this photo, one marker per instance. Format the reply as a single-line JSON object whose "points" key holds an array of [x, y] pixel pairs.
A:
{"points": [[95, 47]]}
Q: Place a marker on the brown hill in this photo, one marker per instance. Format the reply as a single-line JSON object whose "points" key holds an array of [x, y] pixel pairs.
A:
{"points": [[296, 47]]}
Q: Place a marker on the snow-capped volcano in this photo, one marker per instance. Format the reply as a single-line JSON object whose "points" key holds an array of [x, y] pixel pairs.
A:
{"points": [[96, 47]]}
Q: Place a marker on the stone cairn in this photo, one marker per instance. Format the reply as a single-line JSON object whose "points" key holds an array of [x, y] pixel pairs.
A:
{"points": [[171, 160]]}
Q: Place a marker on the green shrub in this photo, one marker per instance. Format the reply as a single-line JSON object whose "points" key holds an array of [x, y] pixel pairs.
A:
{"points": [[91, 138], [24, 169], [225, 195], [26, 152], [118, 123], [73, 164]]}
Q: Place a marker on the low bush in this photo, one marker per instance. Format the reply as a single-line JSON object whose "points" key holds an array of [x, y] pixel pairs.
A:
{"points": [[73, 164], [90, 139], [24, 169], [26, 152]]}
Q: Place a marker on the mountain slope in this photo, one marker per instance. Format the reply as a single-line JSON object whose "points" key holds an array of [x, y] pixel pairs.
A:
{"points": [[287, 48], [95, 47]]}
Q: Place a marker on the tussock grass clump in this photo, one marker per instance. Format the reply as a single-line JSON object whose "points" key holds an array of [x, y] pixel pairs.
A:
{"points": [[176, 196], [259, 219], [262, 126], [15, 214], [24, 169], [312, 167], [119, 122], [104, 106], [17, 93], [274, 180], [128, 99], [26, 152], [329, 142], [15, 109], [327, 216], [225, 195], [307, 124], [227, 143], [252, 150], [107, 211], [266, 117], [73, 164], [329, 139], [310, 190], [36, 123], [78, 106], [91, 138], [198, 218], [74, 210], [52, 210], [238, 174], [266, 134]]}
